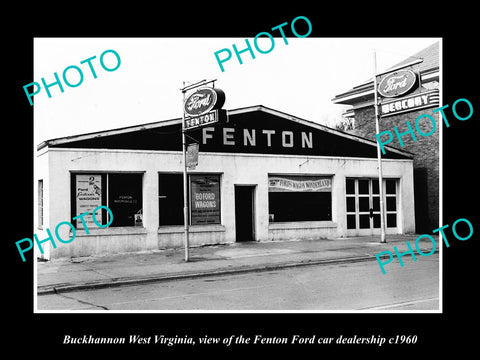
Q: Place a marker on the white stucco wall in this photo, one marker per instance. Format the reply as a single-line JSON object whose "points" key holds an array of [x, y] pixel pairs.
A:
{"points": [[238, 169]]}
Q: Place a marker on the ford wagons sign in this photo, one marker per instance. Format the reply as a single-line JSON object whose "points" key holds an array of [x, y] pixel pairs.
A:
{"points": [[397, 83], [203, 100]]}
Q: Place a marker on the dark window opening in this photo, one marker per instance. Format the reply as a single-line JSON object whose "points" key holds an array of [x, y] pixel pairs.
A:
{"points": [[300, 206], [170, 199], [125, 199]]}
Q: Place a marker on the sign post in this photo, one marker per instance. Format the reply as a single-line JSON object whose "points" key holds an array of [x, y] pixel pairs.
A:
{"points": [[185, 182], [197, 106], [395, 84], [379, 153]]}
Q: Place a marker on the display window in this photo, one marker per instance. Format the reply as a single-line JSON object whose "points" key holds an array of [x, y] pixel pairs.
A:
{"points": [[120, 192], [204, 199], [299, 198]]}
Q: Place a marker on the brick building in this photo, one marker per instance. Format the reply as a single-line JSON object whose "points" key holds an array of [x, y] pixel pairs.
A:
{"points": [[396, 111]]}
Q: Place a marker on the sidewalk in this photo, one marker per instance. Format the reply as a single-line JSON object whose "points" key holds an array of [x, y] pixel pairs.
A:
{"points": [[62, 275]]}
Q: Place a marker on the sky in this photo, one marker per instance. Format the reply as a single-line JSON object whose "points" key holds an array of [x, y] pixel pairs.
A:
{"points": [[299, 78]]}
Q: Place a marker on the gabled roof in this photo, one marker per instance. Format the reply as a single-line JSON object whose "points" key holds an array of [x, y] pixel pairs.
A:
{"points": [[166, 136], [429, 55], [428, 69]]}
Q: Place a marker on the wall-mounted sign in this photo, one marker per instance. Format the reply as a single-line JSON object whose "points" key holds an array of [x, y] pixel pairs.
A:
{"points": [[205, 199], [203, 100], [192, 156], [410, 103], [397, 83]]}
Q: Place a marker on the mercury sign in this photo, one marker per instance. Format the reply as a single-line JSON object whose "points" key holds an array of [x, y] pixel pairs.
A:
{"points": [[203, 100], [410, 103], [397, 83]]}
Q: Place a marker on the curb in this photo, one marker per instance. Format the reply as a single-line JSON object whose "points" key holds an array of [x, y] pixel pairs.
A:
{"points": [[63, 288]]}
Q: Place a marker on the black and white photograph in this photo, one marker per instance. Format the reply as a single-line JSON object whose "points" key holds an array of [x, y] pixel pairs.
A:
{"points": [[227, 179], [266, 148]]}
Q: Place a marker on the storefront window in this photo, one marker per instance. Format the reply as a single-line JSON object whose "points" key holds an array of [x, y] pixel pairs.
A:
{"points": [[120, 192], [299, 198], [204, 203], [170, 199], [125, 199]]}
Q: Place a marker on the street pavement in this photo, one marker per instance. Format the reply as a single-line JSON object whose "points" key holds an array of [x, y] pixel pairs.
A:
{"points": [[94, 272], [355, 286]]}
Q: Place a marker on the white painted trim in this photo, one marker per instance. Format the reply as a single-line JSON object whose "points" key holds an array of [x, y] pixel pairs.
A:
{"points": [[301, 225], [179, 153]]}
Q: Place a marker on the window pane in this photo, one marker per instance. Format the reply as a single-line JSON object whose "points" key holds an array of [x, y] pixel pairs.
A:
{"points": [[376, 221], [375, 187], [170, 199], [364, 203], [391, 220], [350, 186], [363, 187], [376, 203], [125, 198], [351, 222], [40, 203], [300, 206], [350, 204], [364, 221], [391, 203], [391, 186]]}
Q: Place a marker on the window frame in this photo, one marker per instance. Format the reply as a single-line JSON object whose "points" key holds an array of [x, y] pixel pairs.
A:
{"points": [[104, 197], [271, 220], [372, 195], [40, 201], [189, 200]]}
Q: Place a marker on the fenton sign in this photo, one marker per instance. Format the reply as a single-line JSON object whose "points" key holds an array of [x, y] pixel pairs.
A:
{"points": [[203, 100], [397, 83]]}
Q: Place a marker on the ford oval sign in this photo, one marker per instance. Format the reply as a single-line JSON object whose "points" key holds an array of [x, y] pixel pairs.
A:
{"points": [[397, 83], [203, 100]]}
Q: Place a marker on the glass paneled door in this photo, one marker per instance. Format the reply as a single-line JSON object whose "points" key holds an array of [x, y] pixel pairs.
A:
{"points": [[363, 206]]}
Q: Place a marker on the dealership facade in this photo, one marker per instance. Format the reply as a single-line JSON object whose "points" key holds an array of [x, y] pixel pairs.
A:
{"points": [[262, 175]]}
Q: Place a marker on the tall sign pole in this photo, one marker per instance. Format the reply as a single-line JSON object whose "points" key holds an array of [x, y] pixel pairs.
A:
{"points": [[379, 152], [202, 108], [398, 82], [185, 180]]}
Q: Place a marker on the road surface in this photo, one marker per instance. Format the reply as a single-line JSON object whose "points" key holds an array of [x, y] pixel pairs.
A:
{"points": [[348, 286]]}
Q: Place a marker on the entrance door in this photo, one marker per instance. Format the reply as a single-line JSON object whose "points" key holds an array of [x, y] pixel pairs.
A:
{"points": [[363, 206], [244, 213]]}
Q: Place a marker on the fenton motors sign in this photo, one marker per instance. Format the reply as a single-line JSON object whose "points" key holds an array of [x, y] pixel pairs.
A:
{"points": [[203, 100], [397, 83]]}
